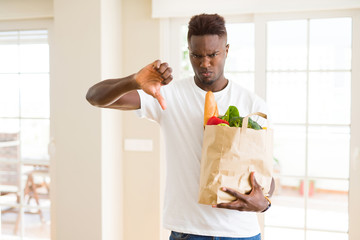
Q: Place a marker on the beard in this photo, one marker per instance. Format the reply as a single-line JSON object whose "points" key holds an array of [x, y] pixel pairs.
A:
{"points": [[208, 81]]}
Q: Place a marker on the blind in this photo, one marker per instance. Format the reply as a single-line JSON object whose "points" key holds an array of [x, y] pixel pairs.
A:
{"points": [[23, 37]]}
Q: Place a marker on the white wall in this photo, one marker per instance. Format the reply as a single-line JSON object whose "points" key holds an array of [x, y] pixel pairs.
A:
{"points": [[141, 169], [25, 9], [93, 43], [76, 61], [88, 187], [111, 124], [175, 8]]}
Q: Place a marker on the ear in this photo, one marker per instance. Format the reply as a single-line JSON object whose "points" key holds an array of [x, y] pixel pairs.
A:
{"points": [[227, 49]]}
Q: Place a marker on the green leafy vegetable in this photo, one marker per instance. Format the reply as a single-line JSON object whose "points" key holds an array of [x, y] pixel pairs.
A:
{"points": [[236, 122], [254, 125], [231, 113], [233, 117]]}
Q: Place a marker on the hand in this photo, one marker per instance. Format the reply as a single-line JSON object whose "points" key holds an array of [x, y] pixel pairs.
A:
{"points": [[253, 202], [152, 77]]}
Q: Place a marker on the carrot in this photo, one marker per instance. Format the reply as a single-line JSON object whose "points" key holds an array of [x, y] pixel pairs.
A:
{"points": [[210, 108]]}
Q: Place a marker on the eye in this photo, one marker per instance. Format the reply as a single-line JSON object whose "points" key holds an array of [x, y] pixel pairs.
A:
{"points": [[213, 55], [195, 55]]}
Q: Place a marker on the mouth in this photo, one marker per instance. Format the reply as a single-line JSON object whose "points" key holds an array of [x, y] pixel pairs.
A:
{"points": [[206, 74]]}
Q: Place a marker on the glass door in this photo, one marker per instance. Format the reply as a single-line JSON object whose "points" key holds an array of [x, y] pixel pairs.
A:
{"points": [[309, 93], [24, 134]]}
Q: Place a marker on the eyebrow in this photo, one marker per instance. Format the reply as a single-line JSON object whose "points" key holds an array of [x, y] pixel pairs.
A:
{"points": [[200, 55]]}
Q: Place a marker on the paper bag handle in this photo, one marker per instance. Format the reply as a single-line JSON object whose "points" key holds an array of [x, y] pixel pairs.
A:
{"points": [[246, 119]]}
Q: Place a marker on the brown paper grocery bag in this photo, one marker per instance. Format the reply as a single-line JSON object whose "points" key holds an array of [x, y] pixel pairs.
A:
{"points": [[229, 155]]}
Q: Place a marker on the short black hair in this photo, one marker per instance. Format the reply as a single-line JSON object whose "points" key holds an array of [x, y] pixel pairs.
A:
{"points": [[206, 24]]}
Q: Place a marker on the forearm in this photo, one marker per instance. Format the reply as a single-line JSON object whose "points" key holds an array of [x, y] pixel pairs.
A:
{"points": [[109, 91]]}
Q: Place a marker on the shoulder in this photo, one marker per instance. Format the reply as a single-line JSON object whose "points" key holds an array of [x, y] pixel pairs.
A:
{"points": [[249, 101], [239, 90]]}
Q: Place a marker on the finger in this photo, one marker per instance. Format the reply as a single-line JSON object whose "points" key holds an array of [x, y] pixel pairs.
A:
{"points": [[161, 100], [230, 205], [233, 192], [163, 67], [156, 64], [253, 181], [166, 73], [167, 80], [166, 76]]}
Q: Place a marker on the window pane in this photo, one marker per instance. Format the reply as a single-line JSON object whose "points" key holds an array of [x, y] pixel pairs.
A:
{"points": [[34, 139], [9, 95], [286, 199], [9, 153], [10, 194], [330, 97], [24, 133], [9, 54], [36, 185], [241, 40], [327, 208], [287, 45], [283, 234], [330, 43], [37, 224], [9, 183], [34, 58], [186, 68], [10, 224], [9, 125], [289, 149], [35, 97], [37, 210], [33, 36], [246, 80], [9, 178], [286, 97], [328, 151], [9, 141]]}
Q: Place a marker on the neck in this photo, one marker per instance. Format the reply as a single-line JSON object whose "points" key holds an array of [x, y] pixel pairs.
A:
{"points": [[214, 86]]}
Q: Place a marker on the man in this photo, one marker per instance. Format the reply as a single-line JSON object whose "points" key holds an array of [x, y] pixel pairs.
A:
{"points": [[150, 93]]}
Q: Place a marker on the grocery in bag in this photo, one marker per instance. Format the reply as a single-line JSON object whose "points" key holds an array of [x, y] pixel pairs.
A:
{"points": [[233, 147]]}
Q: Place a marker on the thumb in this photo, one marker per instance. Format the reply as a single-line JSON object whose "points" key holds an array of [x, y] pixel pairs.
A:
{"points": [[160, 99], [253, 181]]}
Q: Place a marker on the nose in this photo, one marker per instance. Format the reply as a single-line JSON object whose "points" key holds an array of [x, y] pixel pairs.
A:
{"points": [[205, 62]]}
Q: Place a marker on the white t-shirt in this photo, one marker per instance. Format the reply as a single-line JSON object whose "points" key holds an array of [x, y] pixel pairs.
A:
{"points": [[182, 126]]}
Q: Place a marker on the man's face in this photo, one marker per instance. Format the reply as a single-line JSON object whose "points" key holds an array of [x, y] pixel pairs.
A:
{"points": [[207, 56]]}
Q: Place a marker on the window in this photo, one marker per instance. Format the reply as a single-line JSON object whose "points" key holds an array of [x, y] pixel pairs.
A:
{"points": [[24, 134], [309, 65], [302, 65]]}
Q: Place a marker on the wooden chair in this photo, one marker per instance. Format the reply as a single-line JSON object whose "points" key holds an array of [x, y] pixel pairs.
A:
{"points": [[10, 176]]}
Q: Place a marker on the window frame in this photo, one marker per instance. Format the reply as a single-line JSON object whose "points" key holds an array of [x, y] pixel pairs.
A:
{"points": [[23, 25]]}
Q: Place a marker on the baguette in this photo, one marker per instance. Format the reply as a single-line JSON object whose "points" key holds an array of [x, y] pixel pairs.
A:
{"points": [[210, 107]]}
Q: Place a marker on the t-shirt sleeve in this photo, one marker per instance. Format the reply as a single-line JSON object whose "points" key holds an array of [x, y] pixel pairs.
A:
{"points": [[149, 107]]}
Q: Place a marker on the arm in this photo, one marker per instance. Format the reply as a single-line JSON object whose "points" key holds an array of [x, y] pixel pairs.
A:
{"points": [[254, 201], [120, 93]]}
